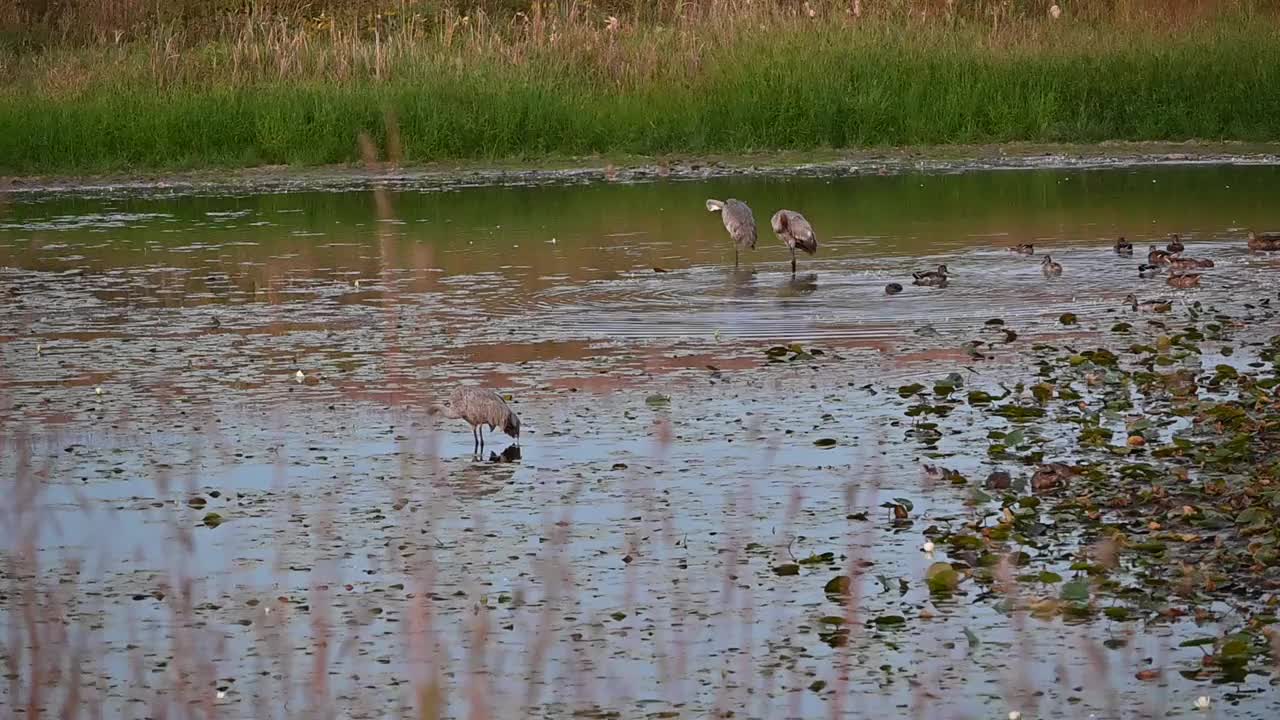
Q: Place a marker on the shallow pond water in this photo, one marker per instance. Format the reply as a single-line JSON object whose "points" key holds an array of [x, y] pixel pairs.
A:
{"points": [[634, 562]]}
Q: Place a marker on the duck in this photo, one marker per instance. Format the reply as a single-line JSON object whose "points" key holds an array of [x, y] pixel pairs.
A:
{"points": [[937, 473], [937, 278], [1123, 247], [1049, 267], [892, 289], [1175, 243], [1148, 271], [1264, 242], [1052, 475], [1181, 263], [1153, 305], [1181, 280], [1023, 249], [1157, 256], [999, 480]]}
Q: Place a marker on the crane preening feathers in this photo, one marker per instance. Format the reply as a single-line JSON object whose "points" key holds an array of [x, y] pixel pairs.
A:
{"points": [[795, 232], [790, 226], [740, 223]]}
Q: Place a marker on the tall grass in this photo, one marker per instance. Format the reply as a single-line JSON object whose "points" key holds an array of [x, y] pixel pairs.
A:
{"points": [[713, 77]]}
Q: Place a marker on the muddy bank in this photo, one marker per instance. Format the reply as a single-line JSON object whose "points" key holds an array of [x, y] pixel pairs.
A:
{"points": [[446, 176]]}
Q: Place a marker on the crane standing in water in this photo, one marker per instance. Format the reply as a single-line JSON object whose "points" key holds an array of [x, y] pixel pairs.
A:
{"points": [[796, 232], [479, 406], [740, 223]]}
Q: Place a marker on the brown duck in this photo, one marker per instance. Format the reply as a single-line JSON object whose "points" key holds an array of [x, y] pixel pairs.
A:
{"points": [[1052, 476], [1175, 243], [1181, 263], [1188, 280], [1264, 242], [1123, 247], [1157, 256], [1024, 249]]}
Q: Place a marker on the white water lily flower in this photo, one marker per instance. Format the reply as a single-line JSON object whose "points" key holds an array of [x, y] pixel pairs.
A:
{"points": [[1203, 702], [222, 694], [97, 390], [299, 376], [928, 546]]}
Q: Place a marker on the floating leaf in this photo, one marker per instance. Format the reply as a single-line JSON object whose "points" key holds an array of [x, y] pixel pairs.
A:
{"points": [[837, 586], [907, 391], [1075, 591], [941, 578], [825, 442], [213, 520]]}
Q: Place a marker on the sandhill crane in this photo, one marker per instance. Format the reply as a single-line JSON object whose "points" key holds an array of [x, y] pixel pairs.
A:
{"points": [[795, 232], [740, 223], [480, 406]]}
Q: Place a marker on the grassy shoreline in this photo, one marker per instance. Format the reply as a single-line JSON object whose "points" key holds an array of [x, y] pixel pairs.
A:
{"points": [[272, 92]]}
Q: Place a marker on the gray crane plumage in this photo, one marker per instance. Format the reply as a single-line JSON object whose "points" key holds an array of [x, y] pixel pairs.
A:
{"points": [[795, 232], [480, 406], [739, 221]]}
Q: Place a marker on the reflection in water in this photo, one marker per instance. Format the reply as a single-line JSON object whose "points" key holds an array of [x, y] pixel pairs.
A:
{"points": [[509, 455], [798, 285], [741, 283]]}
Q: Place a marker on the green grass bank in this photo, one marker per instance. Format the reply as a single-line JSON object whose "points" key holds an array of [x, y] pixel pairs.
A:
{"points": [[271, 90]]}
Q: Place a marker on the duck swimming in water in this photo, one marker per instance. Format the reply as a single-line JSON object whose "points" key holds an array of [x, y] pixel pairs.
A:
{"points": [[1024, 249], [1184, 280], [1181, 263], [1157, 256], [1264, 242], [937, 278], [1123, 247], [1049, 267], [1148, 271], [1175, 243], [892, 289]]}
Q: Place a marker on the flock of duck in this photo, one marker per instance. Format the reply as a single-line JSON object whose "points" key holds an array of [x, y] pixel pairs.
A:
{"points": [[796, 233]]}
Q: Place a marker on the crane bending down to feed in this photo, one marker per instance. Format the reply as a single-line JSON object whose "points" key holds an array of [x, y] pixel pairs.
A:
{"points": [[478, 407], [796, 232], [740, 223]]}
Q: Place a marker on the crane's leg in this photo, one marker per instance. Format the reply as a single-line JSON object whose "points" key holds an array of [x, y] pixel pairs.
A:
{"points": [[735, 255], [475, 440], [480, 429], [793, 261]]}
